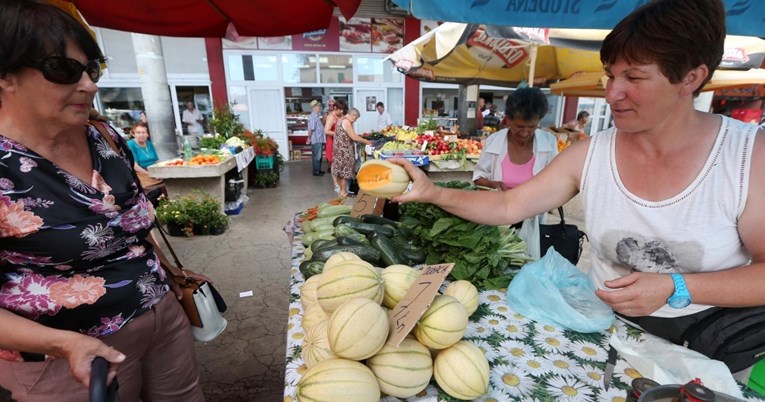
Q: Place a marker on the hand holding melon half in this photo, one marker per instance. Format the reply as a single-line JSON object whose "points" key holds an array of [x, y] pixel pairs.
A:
{"points": [[382, 179]]}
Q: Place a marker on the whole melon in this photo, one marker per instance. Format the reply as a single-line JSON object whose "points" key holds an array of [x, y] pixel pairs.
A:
{"points": [[336, 258], [404, 371], [308, 291], [358, 329], [382, 179], [462, 371], [316, 345], [349, 280], [313, 315], [398, 279], [338, 380], [443, 323], [466, 293]]}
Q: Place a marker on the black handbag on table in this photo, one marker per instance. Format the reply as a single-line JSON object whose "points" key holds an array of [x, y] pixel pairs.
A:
{"points": [[566, 239]]}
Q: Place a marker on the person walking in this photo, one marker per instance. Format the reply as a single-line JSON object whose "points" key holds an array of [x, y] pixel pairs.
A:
{"points": [[316, 137], [335, 114]]}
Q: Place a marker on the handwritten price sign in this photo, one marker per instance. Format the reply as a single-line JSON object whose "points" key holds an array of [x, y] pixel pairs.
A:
{"points": [[406, 313], [367, 204]]}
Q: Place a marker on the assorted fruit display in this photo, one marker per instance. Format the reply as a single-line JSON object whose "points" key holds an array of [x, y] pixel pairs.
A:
{"points": [[400, 141]]}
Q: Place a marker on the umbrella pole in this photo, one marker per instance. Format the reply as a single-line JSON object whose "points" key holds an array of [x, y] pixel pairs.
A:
{"points": [[532, 67]]}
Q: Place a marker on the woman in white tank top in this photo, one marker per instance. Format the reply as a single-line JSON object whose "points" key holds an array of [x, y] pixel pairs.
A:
{"points": [[673, 196]]}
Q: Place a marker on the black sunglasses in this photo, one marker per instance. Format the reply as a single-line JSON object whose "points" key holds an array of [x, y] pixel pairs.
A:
{"points": [[63, 70]]}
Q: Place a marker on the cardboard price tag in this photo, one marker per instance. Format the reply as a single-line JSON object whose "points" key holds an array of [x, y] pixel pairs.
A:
{"points": [[406, 313], [367, 204]]}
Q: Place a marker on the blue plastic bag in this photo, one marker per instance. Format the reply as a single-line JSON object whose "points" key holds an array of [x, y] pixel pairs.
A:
{"points": [[553, 291]]}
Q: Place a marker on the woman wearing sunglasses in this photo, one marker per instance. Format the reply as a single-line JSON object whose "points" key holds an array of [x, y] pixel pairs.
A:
{"points": [[80, 276]]}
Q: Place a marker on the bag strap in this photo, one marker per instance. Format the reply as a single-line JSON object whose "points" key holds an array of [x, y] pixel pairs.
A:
{"points": [[114, 147], [562, 219]]}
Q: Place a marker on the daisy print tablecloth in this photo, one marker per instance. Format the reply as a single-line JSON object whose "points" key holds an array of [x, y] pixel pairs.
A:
{"points": [[529, 361]]}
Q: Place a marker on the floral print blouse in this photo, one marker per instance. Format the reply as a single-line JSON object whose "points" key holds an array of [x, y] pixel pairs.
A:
{"points": [[73, 255]]}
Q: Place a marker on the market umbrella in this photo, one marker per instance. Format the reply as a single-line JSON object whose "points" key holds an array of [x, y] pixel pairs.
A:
{"points": [[593, 85], [742, 58], [478, 54], [212, 18], [744, 17]]}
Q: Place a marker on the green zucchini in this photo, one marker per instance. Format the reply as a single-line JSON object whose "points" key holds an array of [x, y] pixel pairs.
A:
{"points": [[327, 244], [344, 219], [308, 253], [377, 220], [352, 241], [311, 268], [412, 255], [400, 242], [368, 228], [366, 253], [308, 238], [321, 222], [386, 248], [317, 243], [322, 227], [334, 210]]}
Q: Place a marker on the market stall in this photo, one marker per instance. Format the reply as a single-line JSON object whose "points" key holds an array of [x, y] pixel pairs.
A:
{"points": [[527, 360], [184, 178]]}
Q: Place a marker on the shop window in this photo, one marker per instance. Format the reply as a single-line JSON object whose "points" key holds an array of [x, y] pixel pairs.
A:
{"points": [[238, 98], [122, 106], [236, 67], [376, 69], [265, 68], [336, 69], [299, 68]]}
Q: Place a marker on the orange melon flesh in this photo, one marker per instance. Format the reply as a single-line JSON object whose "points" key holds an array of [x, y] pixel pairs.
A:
{"points": [[375, 176]]}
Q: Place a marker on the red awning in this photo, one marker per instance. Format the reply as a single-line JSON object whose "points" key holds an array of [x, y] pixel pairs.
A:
{"points": [[211, 18]]}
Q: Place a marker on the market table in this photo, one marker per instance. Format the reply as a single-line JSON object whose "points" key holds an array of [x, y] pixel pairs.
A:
{"points": [[529, 361], [182, 180]]}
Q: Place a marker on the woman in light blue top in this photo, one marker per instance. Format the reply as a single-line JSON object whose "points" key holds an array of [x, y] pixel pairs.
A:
{"points": [[143, 150]]}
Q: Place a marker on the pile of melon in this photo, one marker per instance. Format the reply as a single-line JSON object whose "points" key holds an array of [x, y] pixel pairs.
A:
{"points": [[346, 324]]}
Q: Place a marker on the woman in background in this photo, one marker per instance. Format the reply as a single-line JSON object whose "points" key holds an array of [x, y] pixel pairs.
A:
{"points": [[517, 153], [143, 150], [345, 160], [336, 113]]}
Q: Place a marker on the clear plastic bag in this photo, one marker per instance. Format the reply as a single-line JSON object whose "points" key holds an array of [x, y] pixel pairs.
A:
{"points": [[553, 291]]}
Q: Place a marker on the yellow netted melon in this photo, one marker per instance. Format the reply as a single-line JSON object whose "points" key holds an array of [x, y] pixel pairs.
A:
{"points": [[348, 280], [358, 329], [404, 371], [462, 371], [382, 179], [398, 279], [337, 258], [308, 291], [313, 315], [316, 345], [466, 293], [338, 380], [443, 323]]}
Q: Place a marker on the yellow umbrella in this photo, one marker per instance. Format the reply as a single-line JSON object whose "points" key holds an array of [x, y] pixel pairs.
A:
{"points": [[593, 85], [467, 54]]}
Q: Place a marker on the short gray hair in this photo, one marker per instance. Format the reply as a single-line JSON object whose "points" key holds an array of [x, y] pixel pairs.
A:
{"points": [[354, 112]]}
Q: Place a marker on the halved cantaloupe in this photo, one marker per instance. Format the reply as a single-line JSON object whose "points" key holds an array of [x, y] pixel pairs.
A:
{"points": [[382, 179]]}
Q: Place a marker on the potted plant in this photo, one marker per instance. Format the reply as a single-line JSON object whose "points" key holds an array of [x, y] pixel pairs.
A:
{"points": [[192, 214], [225, 122], [266, 179]]}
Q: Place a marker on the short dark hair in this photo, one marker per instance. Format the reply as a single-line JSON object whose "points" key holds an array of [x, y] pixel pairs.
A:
{"points": [[582, 114], [379, 104], [526, 103], [32, 30], [678, 35], [340, 104]]}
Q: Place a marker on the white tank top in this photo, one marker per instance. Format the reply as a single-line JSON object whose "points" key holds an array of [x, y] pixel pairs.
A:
{"points": [[694, 231]]}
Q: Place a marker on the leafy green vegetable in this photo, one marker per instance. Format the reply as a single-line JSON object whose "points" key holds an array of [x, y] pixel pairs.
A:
{"points": [[485, 255]]}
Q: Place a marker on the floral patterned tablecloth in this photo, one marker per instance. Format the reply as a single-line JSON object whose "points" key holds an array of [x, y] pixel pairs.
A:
{"points": [[529, 361]]}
